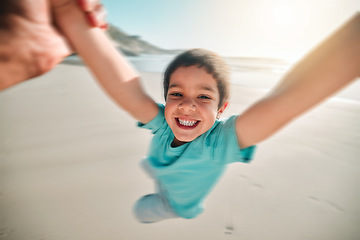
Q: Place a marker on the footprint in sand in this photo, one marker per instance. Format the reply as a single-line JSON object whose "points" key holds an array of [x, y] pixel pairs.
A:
{"points": [[328, 203], [229, 230], [254, 185], [258, 186]]}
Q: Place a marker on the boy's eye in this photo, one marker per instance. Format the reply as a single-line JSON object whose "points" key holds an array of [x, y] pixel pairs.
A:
{"points": [[176, 94], [204, 97]]}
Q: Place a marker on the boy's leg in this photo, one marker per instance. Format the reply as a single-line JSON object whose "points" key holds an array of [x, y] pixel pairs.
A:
{"points": [[153, 208], [145, 165]]}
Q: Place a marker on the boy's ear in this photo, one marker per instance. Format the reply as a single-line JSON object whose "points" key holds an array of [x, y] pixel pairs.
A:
{"points": [[222, 109]]}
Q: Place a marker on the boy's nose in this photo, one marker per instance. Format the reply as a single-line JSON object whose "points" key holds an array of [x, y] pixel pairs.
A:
{"points": [[187, 105]]}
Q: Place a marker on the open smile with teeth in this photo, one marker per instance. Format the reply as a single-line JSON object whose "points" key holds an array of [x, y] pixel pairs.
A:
{"points": [[187, 123]]}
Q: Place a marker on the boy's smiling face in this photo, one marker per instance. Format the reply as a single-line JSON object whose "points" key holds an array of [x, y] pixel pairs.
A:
{"points": [[192, 103]]}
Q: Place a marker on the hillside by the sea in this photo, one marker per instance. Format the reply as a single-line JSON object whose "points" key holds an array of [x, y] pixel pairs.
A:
{"points": [[132, 45]]}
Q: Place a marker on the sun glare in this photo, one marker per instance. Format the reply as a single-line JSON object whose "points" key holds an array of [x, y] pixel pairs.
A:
{"points": [[283, 15]]}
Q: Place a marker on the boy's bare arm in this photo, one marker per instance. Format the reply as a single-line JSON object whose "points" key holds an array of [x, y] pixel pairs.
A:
{"points": [[113, 72], [327, 69]]}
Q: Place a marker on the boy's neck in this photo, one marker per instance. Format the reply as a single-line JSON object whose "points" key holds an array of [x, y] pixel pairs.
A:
{"points": [[176, 143]]}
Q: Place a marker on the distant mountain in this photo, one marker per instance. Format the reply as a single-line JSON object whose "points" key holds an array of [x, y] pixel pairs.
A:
{"points": [[134, 45]]}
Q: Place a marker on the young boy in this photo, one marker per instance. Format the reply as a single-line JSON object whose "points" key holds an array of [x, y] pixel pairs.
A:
{"points": [[191, 147]]}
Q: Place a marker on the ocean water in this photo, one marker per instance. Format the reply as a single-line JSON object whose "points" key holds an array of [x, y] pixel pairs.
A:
{"points": [[262, 73], [252, 72]]}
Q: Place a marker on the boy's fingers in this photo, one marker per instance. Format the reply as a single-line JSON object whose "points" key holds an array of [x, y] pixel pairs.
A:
{"points": [[97, 17], [88, 5], [105, 26]]}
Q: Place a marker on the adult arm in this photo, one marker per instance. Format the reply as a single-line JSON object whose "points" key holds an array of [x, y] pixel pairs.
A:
{"points": [[326, 70]]}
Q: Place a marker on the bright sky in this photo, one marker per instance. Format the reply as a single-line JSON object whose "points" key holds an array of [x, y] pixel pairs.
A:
{"points": [[248, 28]]}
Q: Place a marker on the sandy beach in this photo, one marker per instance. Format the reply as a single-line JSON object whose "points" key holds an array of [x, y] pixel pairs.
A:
{"points": [[69, 170]]}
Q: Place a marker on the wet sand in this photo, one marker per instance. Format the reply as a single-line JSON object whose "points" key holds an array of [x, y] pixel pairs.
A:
{"points": [[69, 170]]}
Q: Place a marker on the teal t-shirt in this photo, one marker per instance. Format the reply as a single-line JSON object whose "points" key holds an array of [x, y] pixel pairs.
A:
{"points": [[187, 173]]}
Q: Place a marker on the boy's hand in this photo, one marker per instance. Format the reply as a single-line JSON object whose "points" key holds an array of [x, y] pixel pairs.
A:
{"points": [[30, 44], [95, 13]]}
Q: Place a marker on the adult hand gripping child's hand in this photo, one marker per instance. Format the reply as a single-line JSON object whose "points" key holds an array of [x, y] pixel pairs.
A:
{"points": [[30, 43]]}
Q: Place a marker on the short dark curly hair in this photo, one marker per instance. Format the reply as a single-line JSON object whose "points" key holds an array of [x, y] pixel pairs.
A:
{"points": [[210, 61]]}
